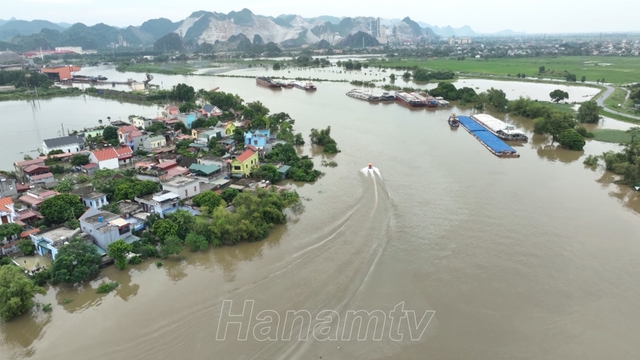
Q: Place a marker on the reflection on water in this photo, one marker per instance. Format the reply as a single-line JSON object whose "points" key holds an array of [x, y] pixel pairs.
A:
{"points": [[17, 335], [557, 153]]}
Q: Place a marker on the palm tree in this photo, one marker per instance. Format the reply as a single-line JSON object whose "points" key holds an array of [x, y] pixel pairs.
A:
{"points": [[109, 118], [100, 121]]}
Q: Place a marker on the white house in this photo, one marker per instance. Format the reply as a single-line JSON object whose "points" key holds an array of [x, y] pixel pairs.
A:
{"points": [[48, 242], [68, 144], [111, 158], [184, 186], [161, 203], [92, 199], [105, 227], [141, 123]]}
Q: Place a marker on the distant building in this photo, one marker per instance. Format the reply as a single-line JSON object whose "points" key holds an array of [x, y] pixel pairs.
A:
{"points": [[153, 143], [49, 242], [7, 211], [68, 144], [185, 187], [162, 203], [244, 163], [75, 49], [105, 227], [141, 122], [111, 158]]}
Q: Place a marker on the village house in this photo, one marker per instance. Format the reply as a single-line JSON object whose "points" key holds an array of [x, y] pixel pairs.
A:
{"points": [[67, 144], [28, 216], [19, 166], [7, 211], [243, 164], [49, 242], [136, 139], [155, 142], [123, 131], [171, 110], [7, 186], [111, 158], [257, 138], [187, 119], [92, 134], [185, 187], [90, 168], [209, 110], [141, 122], [105, 227], [205, 171], [161, 203], [45, 178], [35, 196], [35, 169], [91, 198]]}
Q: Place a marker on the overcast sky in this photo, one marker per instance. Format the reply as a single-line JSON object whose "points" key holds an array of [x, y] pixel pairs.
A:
{"points": [[540, 16]]}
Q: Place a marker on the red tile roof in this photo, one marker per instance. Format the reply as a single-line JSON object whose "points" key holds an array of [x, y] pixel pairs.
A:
{"points": [[127, 129], [31, 168], [4, 202], [43, 176], [25, 215], [245, 155], [111, 153], [26, 234], [33, 201], [23, 187], [252, 148], [166, 165], [89, 166], [24, 163]]}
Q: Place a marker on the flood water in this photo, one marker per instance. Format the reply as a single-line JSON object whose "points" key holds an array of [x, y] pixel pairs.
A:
{"points": [[529, 258]]}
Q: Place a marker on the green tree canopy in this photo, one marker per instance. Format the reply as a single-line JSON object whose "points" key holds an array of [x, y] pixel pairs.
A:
{"points": [[208, 198], [183, 92], [588, 113], [497, 98], [118, 250], [80, 159], [75, 262], [110, 133], [184, 220], [554, 125], [164, 228], [196, 242], [26, 246], [172, 245], [16, 292], [267, 172], [571, 140], [558, 95], [61, 208], [229, 194]]}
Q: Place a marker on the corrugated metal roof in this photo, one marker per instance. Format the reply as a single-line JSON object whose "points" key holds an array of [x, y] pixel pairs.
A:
{"points": [[67, 140]]}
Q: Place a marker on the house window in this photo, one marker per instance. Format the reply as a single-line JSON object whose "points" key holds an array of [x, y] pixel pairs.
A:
{"points": [[237, 168], [255, 142]]}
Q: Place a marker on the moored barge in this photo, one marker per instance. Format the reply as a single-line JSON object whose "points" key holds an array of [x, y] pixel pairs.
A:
{"points": [[268, 82]]}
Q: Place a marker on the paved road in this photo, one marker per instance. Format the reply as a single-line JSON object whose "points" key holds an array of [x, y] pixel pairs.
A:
{"points": [[605, 94]]}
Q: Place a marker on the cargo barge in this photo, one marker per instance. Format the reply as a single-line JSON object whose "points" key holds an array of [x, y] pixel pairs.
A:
{"points": [[499, 128], [487, 138], [268, 82], [371, 96], [428, 101], [409, 99]]}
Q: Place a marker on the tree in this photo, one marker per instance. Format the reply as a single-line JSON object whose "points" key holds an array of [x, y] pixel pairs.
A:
{"points": [[184, 220], [26, 246], [558, 95], [276, 66], [156, 127], [406, 76], [182, 127], [164, 228], [571, 140], [187, 107], [184, 93], [497, 98], [110, 133], [583, 78], [259, 110], [208, 198], [588, 113], [16, 292], [196, 242], [421, 75], [64, 185], [100, 121], [554, 125], [61, 208], [80, 159], [570, 77], [9, 230], [172, 245], [635, 134], [541, 69], [75, 262], [298, 139], [229, 194], [118, 250], [267, 172], [392, 77]]}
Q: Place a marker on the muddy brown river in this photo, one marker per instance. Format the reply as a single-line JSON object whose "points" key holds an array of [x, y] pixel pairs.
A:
{"points": [[448, 253]]}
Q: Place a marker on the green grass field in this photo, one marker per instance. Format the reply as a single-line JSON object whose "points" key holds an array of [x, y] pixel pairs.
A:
{"points": [[617, 70], [618, 97], [612, 136]]}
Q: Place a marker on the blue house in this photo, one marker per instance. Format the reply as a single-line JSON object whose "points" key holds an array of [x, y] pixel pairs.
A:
{"points": [[49, 242], [259, 138]]}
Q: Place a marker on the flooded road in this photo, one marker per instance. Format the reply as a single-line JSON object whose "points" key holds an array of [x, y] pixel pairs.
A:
{"points": [[523, 258]]}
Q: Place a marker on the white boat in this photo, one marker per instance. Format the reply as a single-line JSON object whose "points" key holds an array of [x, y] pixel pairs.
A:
{"points": [[359, 94], [500, 128], [304, 85]]}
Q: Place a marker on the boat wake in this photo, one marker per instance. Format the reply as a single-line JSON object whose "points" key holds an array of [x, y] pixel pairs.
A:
{"points": [[371, 171]]}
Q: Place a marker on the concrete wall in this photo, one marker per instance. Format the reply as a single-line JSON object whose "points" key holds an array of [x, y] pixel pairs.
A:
{"points": [[187, 191]]}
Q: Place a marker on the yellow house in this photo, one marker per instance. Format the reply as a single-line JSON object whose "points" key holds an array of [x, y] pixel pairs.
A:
{"points": [[229, 128], [154, 143], [245, 162]]}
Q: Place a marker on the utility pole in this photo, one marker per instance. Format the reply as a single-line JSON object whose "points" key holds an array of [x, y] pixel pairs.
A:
{"points": [[62, 129]]}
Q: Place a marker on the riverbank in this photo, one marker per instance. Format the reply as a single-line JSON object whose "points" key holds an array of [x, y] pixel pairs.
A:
{"points": [[159, 68], [53, 92]]}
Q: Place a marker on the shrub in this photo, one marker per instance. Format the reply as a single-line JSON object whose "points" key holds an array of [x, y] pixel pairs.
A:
{"points": [[105, 288], [571, 140]]}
